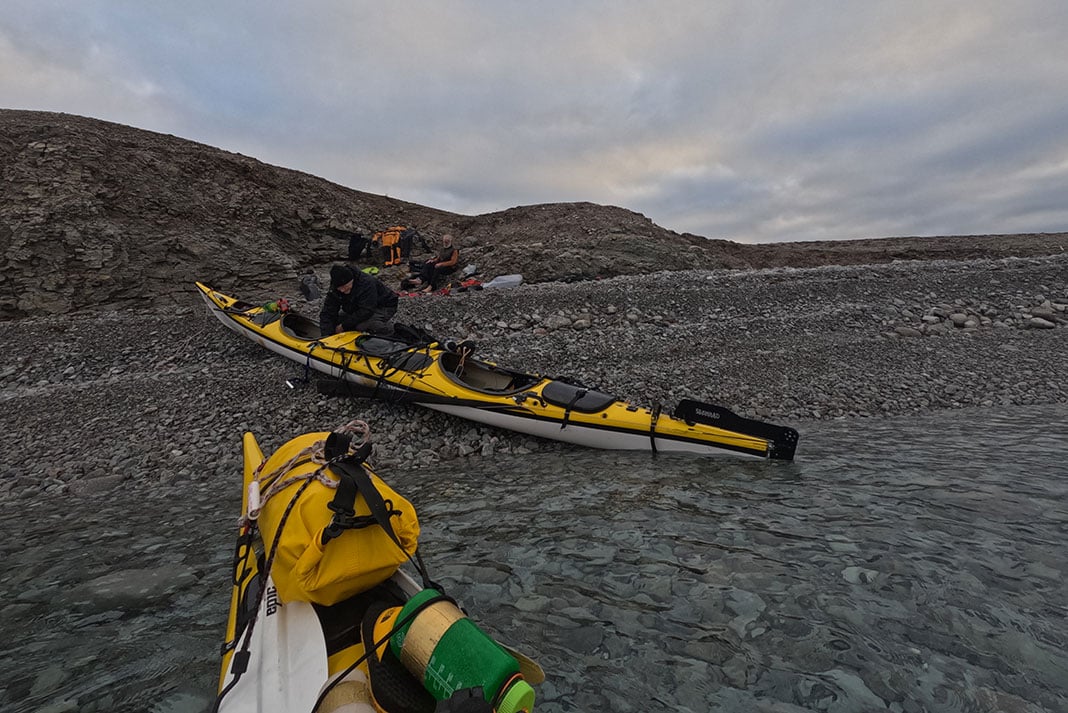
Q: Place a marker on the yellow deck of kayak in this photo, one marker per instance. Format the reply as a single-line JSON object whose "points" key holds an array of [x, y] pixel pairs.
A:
{"points": [[475, 385]]}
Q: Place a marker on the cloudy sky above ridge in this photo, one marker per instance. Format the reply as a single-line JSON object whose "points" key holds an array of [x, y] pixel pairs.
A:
{"points": [[749, 120]]}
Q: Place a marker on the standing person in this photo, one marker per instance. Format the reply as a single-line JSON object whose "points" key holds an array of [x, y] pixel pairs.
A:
{"points": [[356, 302], [444, 263], [358, 245], [309, 285]]}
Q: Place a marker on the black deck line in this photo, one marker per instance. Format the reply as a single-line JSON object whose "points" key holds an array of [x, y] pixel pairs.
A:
{"points": [[527, 415]]}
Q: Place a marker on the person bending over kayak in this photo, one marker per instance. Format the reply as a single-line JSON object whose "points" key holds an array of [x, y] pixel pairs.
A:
{"points": [[356, 302]]}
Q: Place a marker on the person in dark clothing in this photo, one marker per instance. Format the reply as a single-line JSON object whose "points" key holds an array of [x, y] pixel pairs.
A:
{"points": [[309, 285], [408, 239], [358, 245], [444, 263], [356, 302]]}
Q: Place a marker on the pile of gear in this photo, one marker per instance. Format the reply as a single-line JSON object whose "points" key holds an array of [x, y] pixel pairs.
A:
{"points": [[359, 300]]}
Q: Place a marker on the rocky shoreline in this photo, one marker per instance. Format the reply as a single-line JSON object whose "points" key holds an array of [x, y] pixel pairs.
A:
{"points": [[95, 400]]}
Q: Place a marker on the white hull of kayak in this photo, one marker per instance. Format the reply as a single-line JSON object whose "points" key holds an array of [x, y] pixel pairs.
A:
{"points": [[608, 439], [281, 350], [583, 435], [288, 665]]}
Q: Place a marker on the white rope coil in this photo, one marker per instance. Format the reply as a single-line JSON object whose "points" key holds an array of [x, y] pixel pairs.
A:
{"points": [[314, 452]]}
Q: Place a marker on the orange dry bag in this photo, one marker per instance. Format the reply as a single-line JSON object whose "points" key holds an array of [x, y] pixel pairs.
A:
{"points": [[389, 240]]}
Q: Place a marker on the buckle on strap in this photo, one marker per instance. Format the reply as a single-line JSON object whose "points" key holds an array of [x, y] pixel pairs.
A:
{"points": [[345, 521]]}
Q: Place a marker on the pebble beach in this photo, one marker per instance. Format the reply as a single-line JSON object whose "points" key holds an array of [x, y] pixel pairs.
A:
{"points": [[96, 400]]}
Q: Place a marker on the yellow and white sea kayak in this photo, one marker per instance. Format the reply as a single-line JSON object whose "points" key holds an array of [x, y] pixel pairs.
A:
{"points": [[449, 379], [324, 638]]}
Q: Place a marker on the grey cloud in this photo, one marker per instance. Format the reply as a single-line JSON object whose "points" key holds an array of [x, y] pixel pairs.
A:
{"points": [[766, 121]]}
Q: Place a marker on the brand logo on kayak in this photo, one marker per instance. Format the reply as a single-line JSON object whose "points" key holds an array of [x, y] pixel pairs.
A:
{"points": [[272, 600], [706, 414]]}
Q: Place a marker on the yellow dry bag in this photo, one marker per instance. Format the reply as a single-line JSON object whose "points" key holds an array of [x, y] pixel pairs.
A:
{"points": [[319, 559]]}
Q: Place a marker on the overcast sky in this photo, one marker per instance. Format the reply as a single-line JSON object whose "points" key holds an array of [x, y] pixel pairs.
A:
{"points": [[746, 120]]}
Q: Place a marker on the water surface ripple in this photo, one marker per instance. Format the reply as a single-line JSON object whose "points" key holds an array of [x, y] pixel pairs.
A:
{"points": [[907, 564]]}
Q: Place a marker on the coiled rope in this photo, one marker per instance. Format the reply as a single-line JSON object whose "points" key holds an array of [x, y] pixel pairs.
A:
{"points": [[314, 452]]}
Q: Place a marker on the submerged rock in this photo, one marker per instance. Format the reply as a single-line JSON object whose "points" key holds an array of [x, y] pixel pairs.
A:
{"points": [[133, 587]]}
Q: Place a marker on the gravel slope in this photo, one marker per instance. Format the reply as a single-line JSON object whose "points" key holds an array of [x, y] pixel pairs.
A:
{"points": [[93, 400]]}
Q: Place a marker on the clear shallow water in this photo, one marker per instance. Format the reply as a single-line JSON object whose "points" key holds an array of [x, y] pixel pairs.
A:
{"points": [[908, 564]]}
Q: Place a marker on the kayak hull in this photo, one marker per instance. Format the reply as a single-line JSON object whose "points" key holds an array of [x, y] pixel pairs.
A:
{"points": [[582, 435], [288, 656], [276, 661], [439, 377]]}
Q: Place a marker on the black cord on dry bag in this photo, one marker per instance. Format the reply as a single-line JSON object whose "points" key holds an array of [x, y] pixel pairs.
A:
{"points": [[354, 479]]}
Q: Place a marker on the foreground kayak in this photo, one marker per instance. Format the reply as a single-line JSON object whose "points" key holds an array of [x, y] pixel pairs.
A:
{"points": [[300, 642], [447, 378]]}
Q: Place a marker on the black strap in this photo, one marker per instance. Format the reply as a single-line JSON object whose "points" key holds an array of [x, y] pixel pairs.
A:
{"points": [[381, 511], [352, 474], [353, 479], [307, 361], [240, 660], [652, 428], [579, 393], [345, 517], [344, 503]]}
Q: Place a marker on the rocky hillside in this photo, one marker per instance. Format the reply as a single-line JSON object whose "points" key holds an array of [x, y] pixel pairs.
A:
{"points": [[96, 214]]}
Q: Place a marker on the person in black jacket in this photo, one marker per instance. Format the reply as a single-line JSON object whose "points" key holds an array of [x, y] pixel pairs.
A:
{"points": [[356, 302], [358, 245]]}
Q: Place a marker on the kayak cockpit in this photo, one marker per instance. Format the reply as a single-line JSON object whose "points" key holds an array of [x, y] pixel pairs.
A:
{"points": [[300, 327], [480, 376]]}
